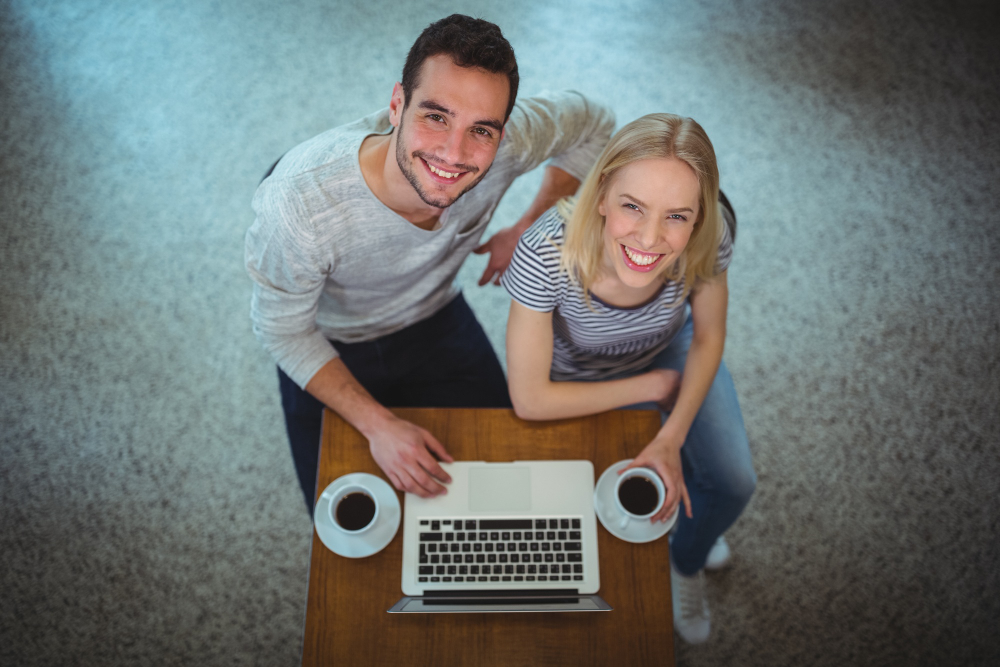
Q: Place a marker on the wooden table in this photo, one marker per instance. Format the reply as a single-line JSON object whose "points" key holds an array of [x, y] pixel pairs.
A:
{"points": [[346, 619]]}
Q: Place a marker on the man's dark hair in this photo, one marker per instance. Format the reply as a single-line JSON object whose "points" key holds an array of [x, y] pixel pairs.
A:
{"points": [[470, 43]]}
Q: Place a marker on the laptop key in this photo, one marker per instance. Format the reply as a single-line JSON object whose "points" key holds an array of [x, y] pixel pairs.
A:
{"points": [[466, 548], [449, 537], [425, 522], [508, 569], [578, 577], [493, 536], [506, 578], [536, 558], [520, 569], [517, 578], [534, 546], [477, 547], [542, 578], [578, 568], [480, 558], [543, 569], [483, 536], [575, 557], [423, 558], [425, 569], [503, 558], [469, 558], [557, 546], [560, 557], [505, 535], [455, 547], [539, 524], [562, 534], [576, 523], [574, 535], [439, 569], [470, 524], [459, 578], [498, 569], [481, 578], [573, 546], [548, 558], [435, 579], [553, 524], [459, 537], [564, 524], [499, 546], [511, 546], [445, 578], [492, 558], [435, 525], [435, 558], [422, 579], [446, 559], [463, 569], [431, 537], [522, 546], [529, 578], [452, 569]]}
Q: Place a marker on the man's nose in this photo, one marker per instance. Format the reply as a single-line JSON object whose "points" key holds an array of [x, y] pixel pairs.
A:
{"points": [[454, 150]]}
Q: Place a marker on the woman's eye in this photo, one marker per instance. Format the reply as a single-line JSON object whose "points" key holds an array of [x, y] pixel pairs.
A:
{"points": [[632, 207]]}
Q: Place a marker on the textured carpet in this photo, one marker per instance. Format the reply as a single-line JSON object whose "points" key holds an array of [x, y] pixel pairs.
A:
{"points": [[150, 513]]}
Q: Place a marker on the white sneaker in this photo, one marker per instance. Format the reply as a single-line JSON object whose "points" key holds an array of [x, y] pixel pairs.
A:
{"points": [[719, 556], [691, 615]]}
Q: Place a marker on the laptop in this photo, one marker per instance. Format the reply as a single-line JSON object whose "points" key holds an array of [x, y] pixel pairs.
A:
{"points": [[507, 537]]}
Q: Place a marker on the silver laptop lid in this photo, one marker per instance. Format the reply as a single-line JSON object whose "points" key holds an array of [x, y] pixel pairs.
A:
{"points": [[523, 526]]}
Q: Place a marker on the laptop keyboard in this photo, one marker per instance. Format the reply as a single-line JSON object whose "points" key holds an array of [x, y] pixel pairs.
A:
{"points": [[495, 550]]}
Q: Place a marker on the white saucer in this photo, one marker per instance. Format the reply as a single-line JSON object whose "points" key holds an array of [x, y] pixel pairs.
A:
{"points": [[610, 516], [372, 540]]}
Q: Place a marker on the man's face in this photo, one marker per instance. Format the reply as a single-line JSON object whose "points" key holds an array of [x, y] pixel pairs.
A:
{"points": [[449, 131]]}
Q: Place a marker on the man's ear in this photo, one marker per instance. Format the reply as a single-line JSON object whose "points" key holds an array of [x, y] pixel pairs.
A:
{"points": [[396, 104]]}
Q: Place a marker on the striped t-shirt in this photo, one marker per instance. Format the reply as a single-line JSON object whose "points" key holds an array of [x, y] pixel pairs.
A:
{"points": [[603, 342]]}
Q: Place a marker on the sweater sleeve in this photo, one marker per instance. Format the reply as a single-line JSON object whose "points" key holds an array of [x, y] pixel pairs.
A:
{"points": [[565, 128], [282, 259]]}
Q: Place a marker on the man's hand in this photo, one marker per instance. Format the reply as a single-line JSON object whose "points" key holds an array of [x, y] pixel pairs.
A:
{"points": [[501, 248], [404, 452]]}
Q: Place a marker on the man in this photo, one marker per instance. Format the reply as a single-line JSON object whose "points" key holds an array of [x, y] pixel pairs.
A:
{"points": [[361, 231]]}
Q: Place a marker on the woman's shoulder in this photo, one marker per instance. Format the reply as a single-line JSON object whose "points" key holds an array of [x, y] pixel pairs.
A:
{"points": [[545, 236]]}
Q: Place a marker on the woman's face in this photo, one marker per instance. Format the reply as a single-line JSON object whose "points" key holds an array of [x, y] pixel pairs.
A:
{"points": [[649, 213]]}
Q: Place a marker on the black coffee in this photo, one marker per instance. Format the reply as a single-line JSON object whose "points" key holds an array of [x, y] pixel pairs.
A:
{"points": [[355, 511], [638, 495]]}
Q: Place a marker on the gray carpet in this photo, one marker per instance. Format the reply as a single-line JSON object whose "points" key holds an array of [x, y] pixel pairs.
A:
{"points": [[148, 509]]}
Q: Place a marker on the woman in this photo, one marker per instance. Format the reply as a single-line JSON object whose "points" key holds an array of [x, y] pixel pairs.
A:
{"points": [[619, 298]]}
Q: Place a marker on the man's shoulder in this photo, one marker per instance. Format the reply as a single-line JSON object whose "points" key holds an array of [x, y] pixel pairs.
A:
{"points": [[323, 171], [336, 147]]}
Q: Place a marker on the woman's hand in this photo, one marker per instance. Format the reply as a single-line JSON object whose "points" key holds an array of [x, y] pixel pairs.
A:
{"points": [[663, 455]]}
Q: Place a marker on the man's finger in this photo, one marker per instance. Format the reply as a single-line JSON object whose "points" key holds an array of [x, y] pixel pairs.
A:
{"points": [[426, 482], [487, 276], [480, 249], [435, 446]]}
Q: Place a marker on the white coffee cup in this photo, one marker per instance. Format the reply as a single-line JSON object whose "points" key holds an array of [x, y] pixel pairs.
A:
{"points": [[639, 474], [361, 504]]}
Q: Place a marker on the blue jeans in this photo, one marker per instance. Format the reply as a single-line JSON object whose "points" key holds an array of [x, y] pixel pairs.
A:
{"points": [[445, 361], [718, 469]]}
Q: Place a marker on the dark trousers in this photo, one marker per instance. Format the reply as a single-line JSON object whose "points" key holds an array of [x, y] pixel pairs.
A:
{"points": [[445, 361]]}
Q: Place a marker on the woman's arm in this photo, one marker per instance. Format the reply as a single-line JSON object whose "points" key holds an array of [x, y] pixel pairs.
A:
{"points": [[535, 396], [709, 301]]}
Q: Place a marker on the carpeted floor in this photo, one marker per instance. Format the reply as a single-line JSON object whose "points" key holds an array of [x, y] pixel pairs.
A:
{"points": [[149, 513]]}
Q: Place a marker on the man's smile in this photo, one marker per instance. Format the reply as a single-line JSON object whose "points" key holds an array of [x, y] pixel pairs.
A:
{"points": [[442, 175]]}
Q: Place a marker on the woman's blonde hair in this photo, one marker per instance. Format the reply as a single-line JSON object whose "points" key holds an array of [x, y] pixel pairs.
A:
{"points": [[658, 135]]}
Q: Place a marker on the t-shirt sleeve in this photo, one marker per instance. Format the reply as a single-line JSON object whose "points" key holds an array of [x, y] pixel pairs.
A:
{"points": [[725, 254], [288, 275], [565, 128], [533, 274]]}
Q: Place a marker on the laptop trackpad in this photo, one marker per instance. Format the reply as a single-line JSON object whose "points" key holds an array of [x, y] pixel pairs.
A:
{"points": [[499, 489]]}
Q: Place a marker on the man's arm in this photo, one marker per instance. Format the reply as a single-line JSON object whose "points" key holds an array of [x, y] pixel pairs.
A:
{"points": [[556, 184], [399, 447], [289, 274], [569, 130]]}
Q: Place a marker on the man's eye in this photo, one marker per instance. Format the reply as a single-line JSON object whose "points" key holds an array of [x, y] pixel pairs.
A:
{"points": [[483, 132], [436, 117]]}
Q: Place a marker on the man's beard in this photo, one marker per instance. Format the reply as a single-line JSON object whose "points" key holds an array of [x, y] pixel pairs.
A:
{"points": [[405, 166]]}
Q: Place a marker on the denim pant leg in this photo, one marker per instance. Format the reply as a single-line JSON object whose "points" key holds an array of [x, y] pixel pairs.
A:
{"points": [[718, 469]]}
